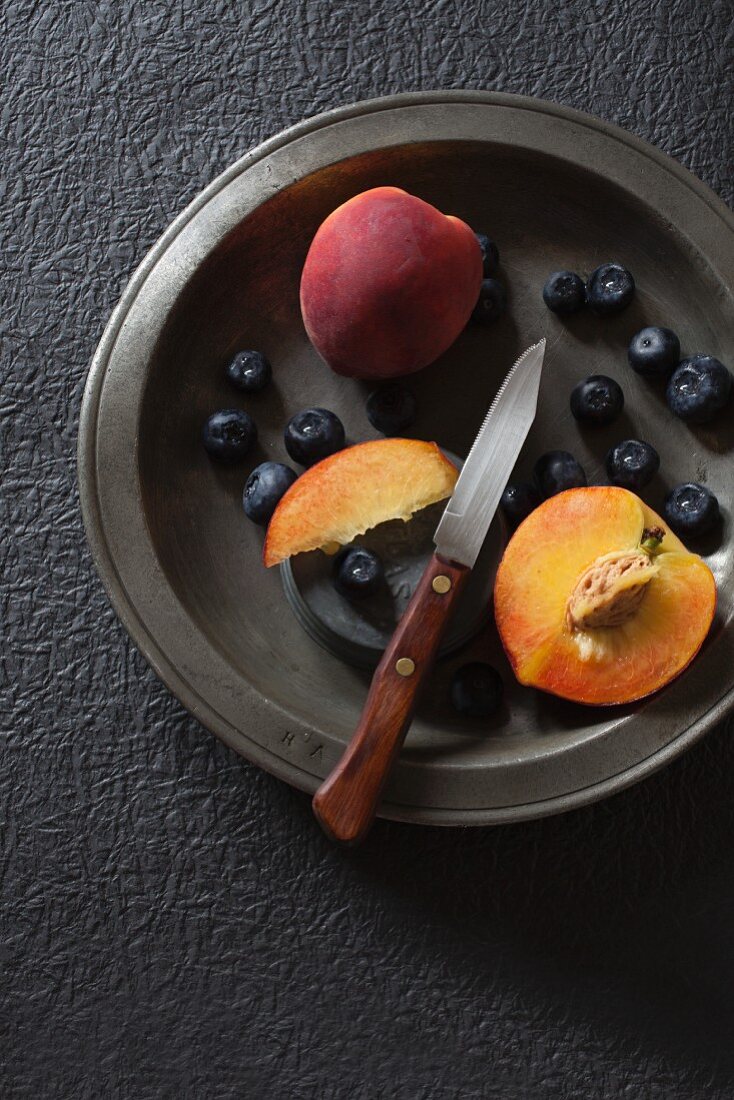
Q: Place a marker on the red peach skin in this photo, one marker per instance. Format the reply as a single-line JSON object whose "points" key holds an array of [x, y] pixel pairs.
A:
{"points": [[388, 284]]}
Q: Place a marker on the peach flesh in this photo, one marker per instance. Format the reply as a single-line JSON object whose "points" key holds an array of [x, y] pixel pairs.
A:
{"points": [[355, 489], [558, 645]]}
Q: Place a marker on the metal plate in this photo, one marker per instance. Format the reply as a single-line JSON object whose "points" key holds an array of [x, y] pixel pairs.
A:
{"points": [[181, 564]]}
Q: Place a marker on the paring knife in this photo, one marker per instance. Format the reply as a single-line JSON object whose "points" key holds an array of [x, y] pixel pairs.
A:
{"points": [[346, 802]]}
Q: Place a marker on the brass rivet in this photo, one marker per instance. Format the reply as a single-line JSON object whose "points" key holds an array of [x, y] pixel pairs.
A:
{"points": [[441, 584], [404, 666]]}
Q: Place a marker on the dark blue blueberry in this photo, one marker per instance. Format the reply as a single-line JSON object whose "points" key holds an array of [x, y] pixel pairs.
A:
{"points": [[597, 400], [490, 254], [492, 302], [476, 690], [229, 435], [609, 289], [249, 371], [313, 434], [691, 509], [518, 501], [391, 409], [556, 471], [357, 572], [263, 489], [699, 389], [654, 351], [564, 292], [631, 464]]}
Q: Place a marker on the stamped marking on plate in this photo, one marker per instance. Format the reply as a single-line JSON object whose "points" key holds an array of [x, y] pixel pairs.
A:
{"points": [[288, 739], [402, 591]]}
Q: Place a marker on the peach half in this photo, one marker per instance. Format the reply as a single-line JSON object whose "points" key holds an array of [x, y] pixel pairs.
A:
{"points": [[355, 489], [597, 601]]}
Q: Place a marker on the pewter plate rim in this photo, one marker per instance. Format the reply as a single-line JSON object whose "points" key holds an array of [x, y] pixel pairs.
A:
{"points": [[132, 617]]}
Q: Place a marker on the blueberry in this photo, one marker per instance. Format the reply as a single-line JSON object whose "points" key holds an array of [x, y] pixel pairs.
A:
{"points": [[564, 292], [313, 434], [699, 388], [556, 471], [597, 400], [476, 690], [491, 303], [263, 489], [518, 501], [609, 289], [631, 464], [391, 409], [249, 371], [490, 254], [357, 572], [229, 435], [654, 350], [691, 509]]}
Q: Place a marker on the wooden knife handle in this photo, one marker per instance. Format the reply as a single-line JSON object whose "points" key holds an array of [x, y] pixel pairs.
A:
{"points": [[346, 801]]}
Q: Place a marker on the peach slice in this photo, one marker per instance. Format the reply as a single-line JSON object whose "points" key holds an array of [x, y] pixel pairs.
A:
{"points": [[355, 489], [597, 601]]}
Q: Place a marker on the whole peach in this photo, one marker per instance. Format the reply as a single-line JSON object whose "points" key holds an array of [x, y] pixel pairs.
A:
{"points": [[388, 284]]}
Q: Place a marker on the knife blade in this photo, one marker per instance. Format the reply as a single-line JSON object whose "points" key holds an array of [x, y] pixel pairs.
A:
{"points": [[346, 802], [470, 510]]}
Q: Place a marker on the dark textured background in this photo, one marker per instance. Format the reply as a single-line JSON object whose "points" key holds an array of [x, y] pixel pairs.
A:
{"points": [[172, 924]]}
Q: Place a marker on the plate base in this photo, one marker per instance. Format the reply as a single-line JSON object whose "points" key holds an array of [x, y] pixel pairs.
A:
{"points": [[358, 631]]}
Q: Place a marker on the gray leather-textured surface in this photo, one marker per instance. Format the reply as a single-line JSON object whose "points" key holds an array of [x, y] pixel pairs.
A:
{"points": [[172, 923]]}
